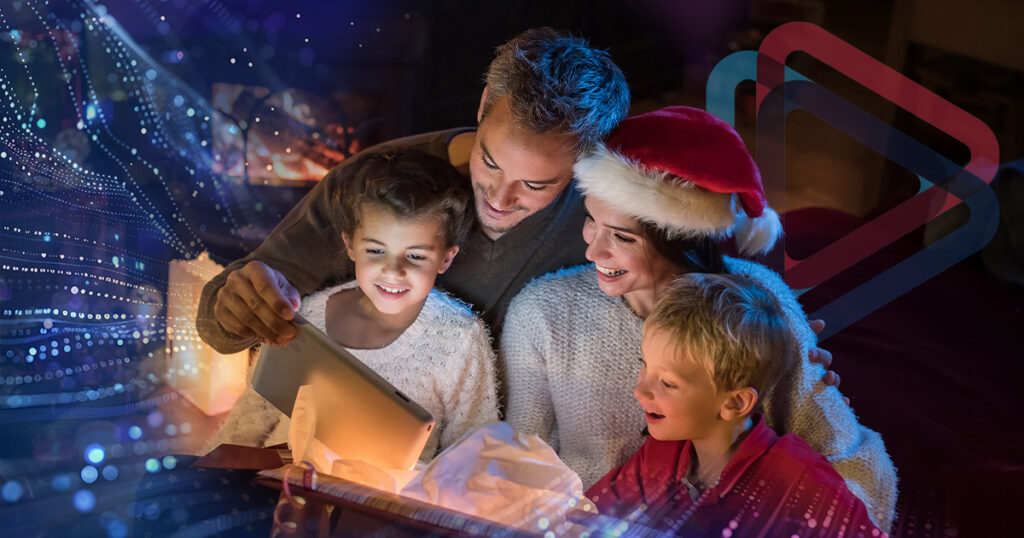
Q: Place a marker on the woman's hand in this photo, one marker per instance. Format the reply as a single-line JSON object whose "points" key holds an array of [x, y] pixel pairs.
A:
{"points": [[824, 358]]}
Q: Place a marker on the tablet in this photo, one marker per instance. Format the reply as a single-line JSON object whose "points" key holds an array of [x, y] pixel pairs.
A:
{"points": [[360, 415]]}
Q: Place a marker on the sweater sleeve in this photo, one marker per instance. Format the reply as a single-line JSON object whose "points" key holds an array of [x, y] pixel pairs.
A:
{"points": [[804, 405], [472, 401], [524, 349]]}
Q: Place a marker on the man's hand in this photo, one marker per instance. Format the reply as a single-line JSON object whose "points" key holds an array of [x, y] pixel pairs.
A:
{"points": [[257, 301], [824, 358]]}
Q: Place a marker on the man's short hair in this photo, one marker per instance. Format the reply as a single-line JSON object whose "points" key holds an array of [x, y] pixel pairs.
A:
{"points": [[729, 324], [557, 82], [409, 183]]}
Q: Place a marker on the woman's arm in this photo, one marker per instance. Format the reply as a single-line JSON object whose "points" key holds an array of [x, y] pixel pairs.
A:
{"points": [[802, 404]]}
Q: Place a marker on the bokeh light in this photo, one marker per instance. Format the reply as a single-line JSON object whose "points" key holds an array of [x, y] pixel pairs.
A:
{"points": [[95, 454], [110, 472], [89, 474], [12, 491], [83, 500]]}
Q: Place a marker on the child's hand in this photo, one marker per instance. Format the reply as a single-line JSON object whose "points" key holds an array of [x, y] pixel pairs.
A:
{"points": [[256, 300], [824, 358]]}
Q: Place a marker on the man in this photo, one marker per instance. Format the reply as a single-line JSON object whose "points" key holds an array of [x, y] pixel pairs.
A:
{"points": [[549, 99]]}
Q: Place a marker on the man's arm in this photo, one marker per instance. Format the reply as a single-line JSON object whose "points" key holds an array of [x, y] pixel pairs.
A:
{"points": [[254, 298]]}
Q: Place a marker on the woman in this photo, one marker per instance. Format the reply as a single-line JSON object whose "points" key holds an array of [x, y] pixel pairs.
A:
{"points": [[674, 182]]}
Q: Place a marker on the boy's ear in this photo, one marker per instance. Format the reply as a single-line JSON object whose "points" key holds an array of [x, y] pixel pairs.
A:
{"points": [[449, 256], [739, 403], [480, 109]]}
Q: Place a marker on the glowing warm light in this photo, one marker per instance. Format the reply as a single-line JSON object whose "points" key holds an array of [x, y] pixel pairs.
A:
{"points": [[210, 380]]}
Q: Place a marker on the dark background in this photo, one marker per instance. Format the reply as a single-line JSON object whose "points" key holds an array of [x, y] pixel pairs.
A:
{"points": [[935, 370]]}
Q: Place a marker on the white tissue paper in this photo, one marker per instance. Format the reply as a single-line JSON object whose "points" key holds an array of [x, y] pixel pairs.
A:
{"points": [[499, 474], [492, 472]]}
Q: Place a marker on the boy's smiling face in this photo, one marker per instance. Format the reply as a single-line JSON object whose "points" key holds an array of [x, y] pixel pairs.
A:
{"points": [[396, 259], [678, 394]]}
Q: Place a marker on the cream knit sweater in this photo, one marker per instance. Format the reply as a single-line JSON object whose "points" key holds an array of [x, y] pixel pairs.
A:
{"points": [[572, 357], [443, 361]]}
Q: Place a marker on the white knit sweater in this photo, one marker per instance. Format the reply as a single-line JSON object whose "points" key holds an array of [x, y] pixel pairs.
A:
{"points": [[443, 361], [572, 357]]}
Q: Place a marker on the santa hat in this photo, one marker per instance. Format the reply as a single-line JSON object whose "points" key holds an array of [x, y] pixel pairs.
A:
{"points": [[685, 171]]}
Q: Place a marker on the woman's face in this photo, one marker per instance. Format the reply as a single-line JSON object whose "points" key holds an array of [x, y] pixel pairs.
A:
{"points": [[626, 264]]}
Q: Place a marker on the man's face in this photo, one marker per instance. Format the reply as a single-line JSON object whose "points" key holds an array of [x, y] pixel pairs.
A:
{"points": [[516, 173]]}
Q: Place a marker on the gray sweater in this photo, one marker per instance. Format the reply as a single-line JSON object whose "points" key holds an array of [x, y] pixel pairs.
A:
{"points": [[572, 355]]}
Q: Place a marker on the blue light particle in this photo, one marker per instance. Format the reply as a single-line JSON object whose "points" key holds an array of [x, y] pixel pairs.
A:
{"points": [[84, 500], [12, 491], [135, 432], [41, 123], [89, 474], [152, 465], [95, 454], [170, 462], [151, 74], [179, 100], [110, 472]]}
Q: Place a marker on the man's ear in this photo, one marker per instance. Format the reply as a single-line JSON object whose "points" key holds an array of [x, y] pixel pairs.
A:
{"points": [[480, 109], [449, 256], [738, 403]]}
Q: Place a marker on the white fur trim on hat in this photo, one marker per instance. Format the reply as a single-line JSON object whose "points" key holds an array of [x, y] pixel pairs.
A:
{"points": [[758, 235], [680, 208]]}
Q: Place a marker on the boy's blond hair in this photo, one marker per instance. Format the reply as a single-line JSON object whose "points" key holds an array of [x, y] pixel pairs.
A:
{"points": [[729, 324]]}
